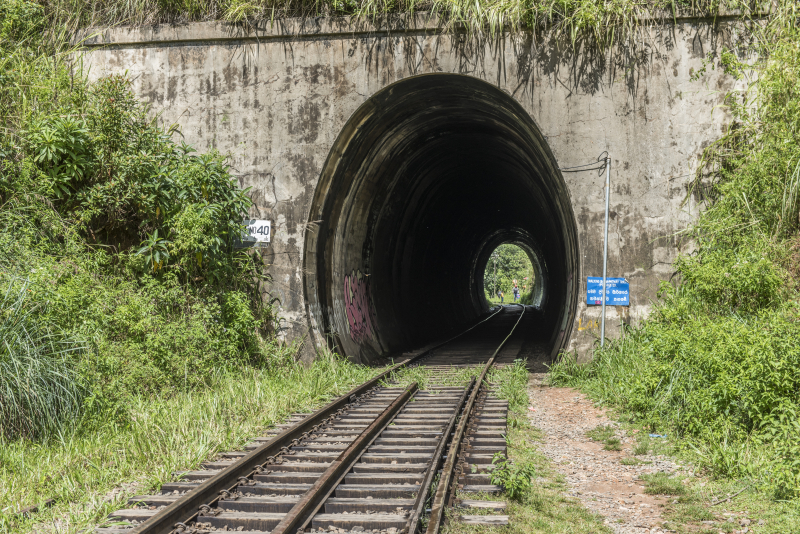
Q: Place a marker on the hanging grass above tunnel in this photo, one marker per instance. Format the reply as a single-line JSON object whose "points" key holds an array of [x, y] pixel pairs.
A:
{"points": [[604, 22]]}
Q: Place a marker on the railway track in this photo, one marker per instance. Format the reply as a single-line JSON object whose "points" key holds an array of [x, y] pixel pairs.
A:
{"points": [[387, 457]]}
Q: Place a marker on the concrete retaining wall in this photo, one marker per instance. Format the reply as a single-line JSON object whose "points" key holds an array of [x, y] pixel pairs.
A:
{"points": [[276, 98]]}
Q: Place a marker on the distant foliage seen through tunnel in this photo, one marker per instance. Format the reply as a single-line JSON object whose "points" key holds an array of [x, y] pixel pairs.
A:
{"points": [[507, 264]]}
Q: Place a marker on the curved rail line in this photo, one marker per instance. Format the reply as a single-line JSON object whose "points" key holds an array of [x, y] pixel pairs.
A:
{"points": [[367, 461]]}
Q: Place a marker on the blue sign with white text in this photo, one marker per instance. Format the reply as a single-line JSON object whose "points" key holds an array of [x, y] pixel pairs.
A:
{"points": [[618, 292]]}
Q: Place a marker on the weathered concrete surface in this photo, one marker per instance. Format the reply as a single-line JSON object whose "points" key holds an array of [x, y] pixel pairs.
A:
{"points": [[277, 98]]}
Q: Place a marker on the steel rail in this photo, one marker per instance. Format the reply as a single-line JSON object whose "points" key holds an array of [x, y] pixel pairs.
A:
{"points": [[415, 520], [186, 508], [298, 517], [442, 490]]}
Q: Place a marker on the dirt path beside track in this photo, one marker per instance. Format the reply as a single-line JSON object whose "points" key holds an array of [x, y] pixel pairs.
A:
{"points": [[596, 476]]}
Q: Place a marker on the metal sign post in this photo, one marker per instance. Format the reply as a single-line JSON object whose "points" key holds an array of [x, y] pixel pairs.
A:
{"points": [[591, 167], [605, 255]]}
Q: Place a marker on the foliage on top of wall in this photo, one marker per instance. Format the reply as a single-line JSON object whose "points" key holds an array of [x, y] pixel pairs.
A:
{"points": [[604, 21]]}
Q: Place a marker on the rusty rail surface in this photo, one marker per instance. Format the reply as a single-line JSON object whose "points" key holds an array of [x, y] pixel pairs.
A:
{"points": [[186, 509], [299, 516], [444, 489]]}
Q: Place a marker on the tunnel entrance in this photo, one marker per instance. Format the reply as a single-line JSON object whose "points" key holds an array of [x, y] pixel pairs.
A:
{"points": [[510, 266], [426, 179]]}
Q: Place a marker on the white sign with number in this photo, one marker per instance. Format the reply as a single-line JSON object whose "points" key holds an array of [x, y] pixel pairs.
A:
{"points": [[258, 232]]}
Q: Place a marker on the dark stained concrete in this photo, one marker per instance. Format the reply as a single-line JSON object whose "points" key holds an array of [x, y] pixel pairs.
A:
{"points": [[426, 179], [382, 154]]}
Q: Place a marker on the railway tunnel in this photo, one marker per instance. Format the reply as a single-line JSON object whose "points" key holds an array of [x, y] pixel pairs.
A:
{"points": [[425, 180]]}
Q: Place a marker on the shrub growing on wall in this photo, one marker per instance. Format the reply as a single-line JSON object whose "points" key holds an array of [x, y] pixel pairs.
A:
{"points": [[718, 362], [121, 237]]}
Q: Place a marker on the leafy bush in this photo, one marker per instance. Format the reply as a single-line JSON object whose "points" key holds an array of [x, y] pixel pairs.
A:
{"points": [[507, 263], [712, 379], [19, 19], [526, 297], [123, 180], [718, 360], [123, 238]]}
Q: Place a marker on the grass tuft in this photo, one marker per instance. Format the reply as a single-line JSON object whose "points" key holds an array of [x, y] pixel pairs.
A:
{"points": [[663, 484], [601, 433], [642, 446], [512, 382], [39, 391], [605, 434]]}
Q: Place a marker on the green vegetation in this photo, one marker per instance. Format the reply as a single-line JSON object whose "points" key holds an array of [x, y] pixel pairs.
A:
{"points": [[718, 362], [642, 445], [117, 266], [135, 337], [601, 433], [508, 265], [607, 435], [90, 474], [732, 504], [514, 477], [426, 377], [511, 384], [535, 492], [663, 484], [602, 21], [34, 355], [143, 338]]}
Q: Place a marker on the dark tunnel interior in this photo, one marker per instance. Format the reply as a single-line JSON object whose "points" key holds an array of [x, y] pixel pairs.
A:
{"points": [[427, 178]]}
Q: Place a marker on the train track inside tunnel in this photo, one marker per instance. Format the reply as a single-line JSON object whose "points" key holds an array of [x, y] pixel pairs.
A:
{"points": [[386, 457]]}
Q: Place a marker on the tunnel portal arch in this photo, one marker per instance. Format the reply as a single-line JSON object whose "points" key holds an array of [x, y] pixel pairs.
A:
{"points": [[426, 178], [522, 239]]}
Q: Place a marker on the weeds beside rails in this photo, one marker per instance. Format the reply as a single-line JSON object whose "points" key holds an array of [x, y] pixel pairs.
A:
{"points": [[535, 494], [514, 474], [90, 474]]}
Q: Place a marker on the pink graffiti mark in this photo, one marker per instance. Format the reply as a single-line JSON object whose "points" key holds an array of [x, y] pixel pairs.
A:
{"points": [[356, 302]]}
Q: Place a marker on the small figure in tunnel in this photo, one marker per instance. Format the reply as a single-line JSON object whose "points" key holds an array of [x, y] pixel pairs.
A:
{"points": [[500, 294], [516, 293]]}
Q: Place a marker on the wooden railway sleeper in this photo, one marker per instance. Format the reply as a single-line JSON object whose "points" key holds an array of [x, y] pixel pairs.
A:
{"points": [[312, 500], [270, 452], [273, 459], [448, 484], [415, 520]]}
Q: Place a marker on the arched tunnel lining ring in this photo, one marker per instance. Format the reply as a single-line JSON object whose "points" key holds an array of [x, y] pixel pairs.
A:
{"points": [[524, 241], [420, 179]]}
